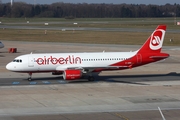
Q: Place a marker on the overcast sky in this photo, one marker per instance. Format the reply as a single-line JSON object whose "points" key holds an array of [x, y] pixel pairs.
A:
{"points": [[157, 2]]}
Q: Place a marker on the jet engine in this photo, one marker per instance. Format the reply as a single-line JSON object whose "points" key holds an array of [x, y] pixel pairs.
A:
{"points": [[72, 74]]}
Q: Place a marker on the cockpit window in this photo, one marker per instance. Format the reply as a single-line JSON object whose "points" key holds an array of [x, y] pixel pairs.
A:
{"points": [[17, 60]]}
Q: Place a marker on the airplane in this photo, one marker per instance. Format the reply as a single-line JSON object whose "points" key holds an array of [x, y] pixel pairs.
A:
{"points": [[73, 66], [1, 45]]}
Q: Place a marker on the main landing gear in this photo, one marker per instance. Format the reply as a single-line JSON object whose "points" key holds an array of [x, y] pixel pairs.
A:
{"points": [[30, 77], [91, 78]]}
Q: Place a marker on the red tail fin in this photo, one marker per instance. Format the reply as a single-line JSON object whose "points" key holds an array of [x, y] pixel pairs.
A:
{"points": [[155, 41]]}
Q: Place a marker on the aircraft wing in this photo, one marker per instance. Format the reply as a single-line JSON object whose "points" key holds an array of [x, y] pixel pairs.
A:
{"points": [[105, 67], [60, 68]]}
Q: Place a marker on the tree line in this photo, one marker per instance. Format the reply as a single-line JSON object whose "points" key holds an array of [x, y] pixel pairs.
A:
{"points": [[84, 10]]}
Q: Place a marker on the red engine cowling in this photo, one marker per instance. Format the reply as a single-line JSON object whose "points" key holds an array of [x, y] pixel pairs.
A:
{"points": [[72, 74]]}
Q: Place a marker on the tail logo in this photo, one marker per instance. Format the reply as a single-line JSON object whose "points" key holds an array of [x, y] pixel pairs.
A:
{"points": [[156, 40]]}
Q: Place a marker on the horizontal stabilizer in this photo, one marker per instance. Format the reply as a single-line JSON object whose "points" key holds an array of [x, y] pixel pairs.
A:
{"points": [[158, 57]]}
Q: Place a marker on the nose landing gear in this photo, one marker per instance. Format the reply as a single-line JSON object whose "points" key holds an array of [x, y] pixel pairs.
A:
{"points": [[30, 76]]}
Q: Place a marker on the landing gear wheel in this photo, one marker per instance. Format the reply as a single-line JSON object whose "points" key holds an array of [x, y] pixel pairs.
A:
{"points": [[29, 79], [91, 78]]}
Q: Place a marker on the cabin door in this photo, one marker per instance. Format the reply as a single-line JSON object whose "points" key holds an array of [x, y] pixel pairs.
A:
{"points": [[30, 61]]}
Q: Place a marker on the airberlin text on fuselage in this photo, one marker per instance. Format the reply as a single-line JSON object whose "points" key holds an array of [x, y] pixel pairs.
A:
{"points": [[60, 60]]}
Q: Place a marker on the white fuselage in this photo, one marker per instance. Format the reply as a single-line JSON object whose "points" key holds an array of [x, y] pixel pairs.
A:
{"points": [[60, 62]]}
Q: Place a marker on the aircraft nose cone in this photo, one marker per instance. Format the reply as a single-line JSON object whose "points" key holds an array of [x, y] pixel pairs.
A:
{"points": [[9, 67]]}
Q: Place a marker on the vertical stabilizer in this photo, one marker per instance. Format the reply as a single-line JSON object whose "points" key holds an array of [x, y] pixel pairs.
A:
{"points": [[154, 43]]}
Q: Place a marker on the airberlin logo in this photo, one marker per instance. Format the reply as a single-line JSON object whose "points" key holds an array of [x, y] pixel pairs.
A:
{"points": [[60, 60], [156, 40]]}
